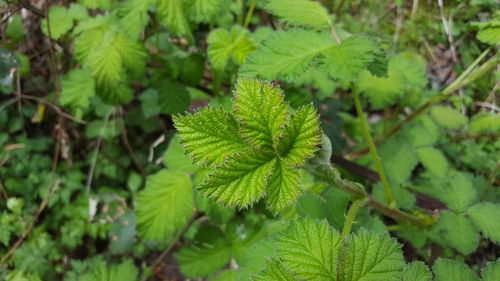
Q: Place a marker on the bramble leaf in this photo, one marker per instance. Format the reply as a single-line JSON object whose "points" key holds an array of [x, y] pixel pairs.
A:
{"points": [[261, 110], [282, 56], [275, 272], [433, 160], [224, 45], [203, 10], [416, 271], [448, 117], [491, 272], [210, 136], [347, 60], [458, 231], [283, 186], [241, 180], [60, 22], [485, 217], [165, 205], [310, 249], [171, 13], [77, 88], [447, 270], [202, 260], [300, 12]]}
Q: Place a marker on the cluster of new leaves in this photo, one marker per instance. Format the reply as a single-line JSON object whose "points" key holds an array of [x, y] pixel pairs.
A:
{"points": [[256, 150], [312, 250]]}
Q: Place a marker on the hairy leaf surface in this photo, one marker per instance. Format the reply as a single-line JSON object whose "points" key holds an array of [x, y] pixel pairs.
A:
{"points": [[300, 12]]}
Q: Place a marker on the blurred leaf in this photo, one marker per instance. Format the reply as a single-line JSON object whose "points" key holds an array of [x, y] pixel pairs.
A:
{"points": [[485, 217], [458, 231], [15, 28], [448, 117], [224, 45], [77, 88], [60, 22], [447, 270]]}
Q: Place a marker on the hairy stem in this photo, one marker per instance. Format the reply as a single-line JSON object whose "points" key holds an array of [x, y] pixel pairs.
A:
{"points": [[463, 80], [332, 176], [371, 145], [351, 215]]}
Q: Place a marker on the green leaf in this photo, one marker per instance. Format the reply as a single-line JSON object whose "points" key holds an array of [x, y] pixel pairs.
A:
{"points": [[77, 88], [433, 160], [210, 136], [300, 12], [97, 4], [448, 117], [165, 205], [489, 32], [224, 46], [283, 187], [485, 123], [274, 272], [134, 17], [172, 97], [101, 271], [261, 111], [485, 217], [171, 13], [302, 136], [369, 256], [347, 60], [491, 272], [283, 56], [416, 271], [15, 28], [78, 12], [399, 159], [60, 22], [203, 10], [458, 193], [458, 231], [451, 270], [176, 159], [149, 103], [203, 260], [310, 249], [241, 180]]}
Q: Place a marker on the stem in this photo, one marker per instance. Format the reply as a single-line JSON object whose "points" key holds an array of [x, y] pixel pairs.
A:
{"points": [[249, 15], [332, 176], [371, 145], [460, 82], [351, 215], [334, 33]]}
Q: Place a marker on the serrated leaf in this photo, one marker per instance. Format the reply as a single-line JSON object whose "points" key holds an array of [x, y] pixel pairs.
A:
{"points": [[274, 272], [486, 217], [300, 12], [224, 45], [310, 249], [347, 60], [210, 136], [241, 180], [203, 260], [399, 159], [171, 13], [451, 270], [77, 88], [134, 17], [172, 97], [369, 256], [78, 12], [301, 138], [283, 187], [416, 271], [485, 123], [491, 272], [261, 111], [433, 160], [458, 193], [203, 10], [60, 22], [283, 56], [448, 117], [102, 271], [165, 205], [458, 231]]}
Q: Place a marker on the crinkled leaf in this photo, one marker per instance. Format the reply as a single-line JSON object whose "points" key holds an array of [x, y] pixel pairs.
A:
{"points": [[458, 193], [486, 217], [274, 272], [165, 205], [261, 111], [283, 187], [203, 10], [300, 12], [283, 56], [241, 180], [171, 13]]}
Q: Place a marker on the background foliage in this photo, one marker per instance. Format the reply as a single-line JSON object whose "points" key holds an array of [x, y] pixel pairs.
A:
{"points": [[104, 176]]}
